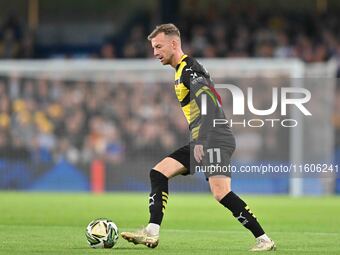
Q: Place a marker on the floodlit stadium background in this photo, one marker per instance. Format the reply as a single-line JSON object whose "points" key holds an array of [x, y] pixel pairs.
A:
{"points": [[84, 108]]}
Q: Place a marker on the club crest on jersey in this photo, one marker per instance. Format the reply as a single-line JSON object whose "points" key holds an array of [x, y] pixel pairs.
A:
{"points": [[194, 75]]}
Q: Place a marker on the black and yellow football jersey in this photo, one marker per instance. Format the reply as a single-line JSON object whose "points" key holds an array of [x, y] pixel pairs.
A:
{"points": [[192, 81]]}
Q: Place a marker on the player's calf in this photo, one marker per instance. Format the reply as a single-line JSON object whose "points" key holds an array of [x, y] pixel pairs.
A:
{"points": [[246, 217], [158, 197], [242, 213]]}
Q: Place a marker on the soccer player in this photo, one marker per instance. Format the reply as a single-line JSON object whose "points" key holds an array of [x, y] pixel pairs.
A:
{"points": [[209, 145]]}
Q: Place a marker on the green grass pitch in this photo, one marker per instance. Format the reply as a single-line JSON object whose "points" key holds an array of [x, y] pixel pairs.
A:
{"points": [[54, 223]]}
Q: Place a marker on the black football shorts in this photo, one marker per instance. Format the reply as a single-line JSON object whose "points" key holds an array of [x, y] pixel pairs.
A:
{"points": [[216, 160]]}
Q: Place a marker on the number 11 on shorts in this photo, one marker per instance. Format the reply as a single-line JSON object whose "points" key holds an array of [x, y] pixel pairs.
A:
{"points": [[211, 155]]}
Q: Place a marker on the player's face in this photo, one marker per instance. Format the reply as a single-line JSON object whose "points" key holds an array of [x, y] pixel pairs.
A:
{"points": [[163, 48]]}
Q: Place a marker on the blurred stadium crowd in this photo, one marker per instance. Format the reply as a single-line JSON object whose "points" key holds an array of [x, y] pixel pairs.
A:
{"points": [[246, 33], [46, 120], [233, 32]]}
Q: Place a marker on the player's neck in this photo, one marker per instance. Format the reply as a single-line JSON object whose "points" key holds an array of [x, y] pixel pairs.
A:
{"points": [[177, 57]]}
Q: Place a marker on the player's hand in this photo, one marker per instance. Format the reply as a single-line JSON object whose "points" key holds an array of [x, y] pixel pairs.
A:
{"points": [[198, 152]]}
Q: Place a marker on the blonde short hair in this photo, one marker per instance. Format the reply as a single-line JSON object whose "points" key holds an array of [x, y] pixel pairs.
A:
{"points": [[167, 29]]}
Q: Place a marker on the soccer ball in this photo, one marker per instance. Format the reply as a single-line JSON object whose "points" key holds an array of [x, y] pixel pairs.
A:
{"points": [[101, 233]]}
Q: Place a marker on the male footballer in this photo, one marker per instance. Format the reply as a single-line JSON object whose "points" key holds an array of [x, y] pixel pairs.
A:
{"points": [[209, 145]]}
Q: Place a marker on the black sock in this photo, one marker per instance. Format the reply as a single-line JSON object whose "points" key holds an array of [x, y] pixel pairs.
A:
{"points": [[158, 197], [242, 213]]}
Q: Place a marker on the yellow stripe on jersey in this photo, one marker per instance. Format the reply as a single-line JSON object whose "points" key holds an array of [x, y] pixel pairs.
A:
{"points": [[181, 91], [195, 132], [201, 90], [208, 91], [191, 111], [183, 57], [194, 110]]}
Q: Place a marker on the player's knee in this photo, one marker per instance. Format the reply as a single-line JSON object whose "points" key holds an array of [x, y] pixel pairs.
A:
{"points": [[219, 191], [169, 167], [218, 195], [161, 167]]}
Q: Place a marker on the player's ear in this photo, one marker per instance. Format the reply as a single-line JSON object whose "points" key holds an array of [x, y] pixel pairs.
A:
{"points": [[173, 44]]}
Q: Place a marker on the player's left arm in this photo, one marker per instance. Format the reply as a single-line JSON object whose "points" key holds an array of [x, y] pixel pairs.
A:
{"points": [[207, 102]]}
